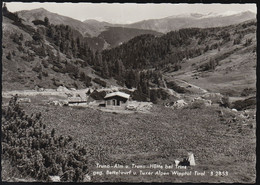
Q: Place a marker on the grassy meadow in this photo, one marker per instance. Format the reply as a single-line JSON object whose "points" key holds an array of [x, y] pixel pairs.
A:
{"points": [[219, 142]]}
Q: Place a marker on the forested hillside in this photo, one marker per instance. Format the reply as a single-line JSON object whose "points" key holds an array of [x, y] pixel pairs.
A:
{"points": [[170, 51], [148, 51], [59, 55], [115, 36], [45, 55]]}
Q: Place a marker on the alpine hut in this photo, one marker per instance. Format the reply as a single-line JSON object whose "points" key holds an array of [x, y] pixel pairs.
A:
{"points": [[116, 100]]}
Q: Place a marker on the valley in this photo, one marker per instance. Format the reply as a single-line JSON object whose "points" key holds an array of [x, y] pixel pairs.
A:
{"points": [[186, 84]]}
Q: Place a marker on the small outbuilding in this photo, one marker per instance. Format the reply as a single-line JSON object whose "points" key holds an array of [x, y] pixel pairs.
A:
{"points": [[116, 99], [76, 101]]}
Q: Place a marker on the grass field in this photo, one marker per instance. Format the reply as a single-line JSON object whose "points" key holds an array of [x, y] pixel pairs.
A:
{"points": [[219, 143], [232, 75]]}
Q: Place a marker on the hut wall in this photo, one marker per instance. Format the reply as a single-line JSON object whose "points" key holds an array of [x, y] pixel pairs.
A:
{"points": [[116, 101]]}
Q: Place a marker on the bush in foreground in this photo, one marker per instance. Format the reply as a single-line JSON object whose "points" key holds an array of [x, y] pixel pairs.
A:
{"points": [[197, 105], [37, 153], [244, 104]]}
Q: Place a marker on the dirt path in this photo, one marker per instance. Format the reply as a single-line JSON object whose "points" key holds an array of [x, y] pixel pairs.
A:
{"points": [[164, 83], [171, 92], [46, 92], [184, 83], [192, 85]]}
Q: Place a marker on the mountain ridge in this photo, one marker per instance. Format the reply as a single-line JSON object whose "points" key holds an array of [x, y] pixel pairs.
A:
{"points": [[99, 35], [171, 23], [92, 27], [212, 14], [56, 19]]}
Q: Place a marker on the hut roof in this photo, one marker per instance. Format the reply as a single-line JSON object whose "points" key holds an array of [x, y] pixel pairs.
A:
{"points": [[121, 94]]}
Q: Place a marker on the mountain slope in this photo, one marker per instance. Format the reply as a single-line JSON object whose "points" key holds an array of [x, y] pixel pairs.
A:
{"points": [[220, 53], [40, 56], [99, 26], [99, 35], [193, 20], [39, 14], [103, 35], [115, 36]]}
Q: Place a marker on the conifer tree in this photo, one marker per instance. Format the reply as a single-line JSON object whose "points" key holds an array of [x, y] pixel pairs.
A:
{"points": [[21, 37], [105, 72], [46, 21]]}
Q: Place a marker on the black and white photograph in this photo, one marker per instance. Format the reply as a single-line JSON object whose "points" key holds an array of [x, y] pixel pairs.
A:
{"points": [[129, 92]]}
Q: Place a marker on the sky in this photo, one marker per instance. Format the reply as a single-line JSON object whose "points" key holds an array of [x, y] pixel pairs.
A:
{"points": [[128, 12]]}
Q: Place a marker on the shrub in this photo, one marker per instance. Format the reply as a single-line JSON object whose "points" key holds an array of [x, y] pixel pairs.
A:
{"points": [[58, 68], [28, 58], [153, 96], [39, 51], [98, 95], [45, 63], [37, 37], [237, 41], [52, 132], [248, 42], [85, 78], [71, 69], [21, 37], [100, 82], [43, 153], [37, 68], [224, 55], [40, 76], [56, 82], [75, 85], [247, 91], [197, 105], [225, 102], [137, 95], [244, 104], [206, 48], [210, 65], [21, 49], [214, 46], [172, 85], [38, 22], [45, 73], [162, 94], [9, 56], [88, 81], [16, 39]]}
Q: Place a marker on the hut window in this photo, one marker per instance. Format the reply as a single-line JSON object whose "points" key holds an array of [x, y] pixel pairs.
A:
{"points": [[118, 102]]}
